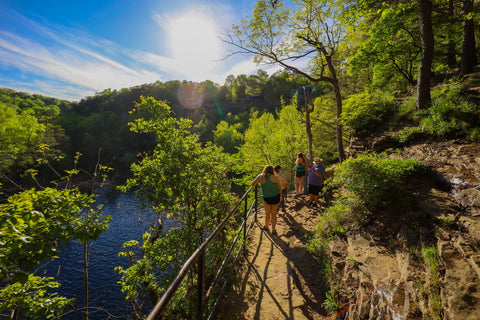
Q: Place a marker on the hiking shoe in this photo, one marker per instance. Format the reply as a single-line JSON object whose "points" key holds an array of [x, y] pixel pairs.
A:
{"points": [[313, 204], [274, 232]]}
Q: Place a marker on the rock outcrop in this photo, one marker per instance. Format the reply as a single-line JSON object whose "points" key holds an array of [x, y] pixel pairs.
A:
{"points": [[388, 277], [382, 270]]}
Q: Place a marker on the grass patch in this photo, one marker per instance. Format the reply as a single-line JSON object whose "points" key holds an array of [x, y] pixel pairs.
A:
{"points": [[450, 115], [430, 255], [448, 221]]}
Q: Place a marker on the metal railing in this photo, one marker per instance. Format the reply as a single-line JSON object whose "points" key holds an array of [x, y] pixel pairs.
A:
{"points": [[198, 258]]}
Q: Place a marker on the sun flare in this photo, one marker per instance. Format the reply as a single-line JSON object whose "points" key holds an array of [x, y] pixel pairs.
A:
{"points": [[194, 43]]}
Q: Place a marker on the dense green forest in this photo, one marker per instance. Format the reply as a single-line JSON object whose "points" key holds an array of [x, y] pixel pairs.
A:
{"points": [[370, 67], [97, 127]]}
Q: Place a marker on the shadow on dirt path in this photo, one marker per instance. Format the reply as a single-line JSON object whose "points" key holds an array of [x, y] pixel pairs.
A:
{"points": [[279, 278]]}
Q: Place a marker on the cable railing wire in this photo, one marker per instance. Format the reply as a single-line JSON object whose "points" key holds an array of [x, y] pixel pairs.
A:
{"points": [[199, 257]]}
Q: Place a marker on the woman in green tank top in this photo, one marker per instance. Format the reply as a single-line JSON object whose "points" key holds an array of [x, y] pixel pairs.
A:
{"points": [[271, 191], [300, 172]]}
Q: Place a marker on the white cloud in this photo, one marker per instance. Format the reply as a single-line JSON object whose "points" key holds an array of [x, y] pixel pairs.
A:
{"points": [[59, 90], [63, 91], [78, 66], [68, 63]]}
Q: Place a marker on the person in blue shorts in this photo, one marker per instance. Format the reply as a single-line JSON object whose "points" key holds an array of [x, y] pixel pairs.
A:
{"points": [[316, 177]]}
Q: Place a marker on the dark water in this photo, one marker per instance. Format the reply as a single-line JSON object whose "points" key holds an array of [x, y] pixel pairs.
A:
{"points": [[129, 222]]}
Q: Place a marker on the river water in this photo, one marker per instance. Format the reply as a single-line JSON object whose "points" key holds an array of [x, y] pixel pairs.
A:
{"points": [[129, 222]]}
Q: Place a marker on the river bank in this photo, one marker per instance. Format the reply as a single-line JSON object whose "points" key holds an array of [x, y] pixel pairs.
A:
{"points": [[130, 219]]}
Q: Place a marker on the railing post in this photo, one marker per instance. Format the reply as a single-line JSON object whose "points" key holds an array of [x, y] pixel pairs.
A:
{"points": [[245, 214], [256, 202], [199, 257], [201, 275]]}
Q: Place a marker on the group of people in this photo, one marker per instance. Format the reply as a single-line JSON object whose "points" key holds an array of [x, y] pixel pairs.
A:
{"points": [[274, 186], [316, 176]]}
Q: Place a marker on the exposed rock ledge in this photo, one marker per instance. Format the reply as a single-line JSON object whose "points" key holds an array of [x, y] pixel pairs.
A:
{"points": [[384, 276]]}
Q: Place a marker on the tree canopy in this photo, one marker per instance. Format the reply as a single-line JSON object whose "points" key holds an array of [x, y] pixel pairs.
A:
{"points": [[181, 144]]}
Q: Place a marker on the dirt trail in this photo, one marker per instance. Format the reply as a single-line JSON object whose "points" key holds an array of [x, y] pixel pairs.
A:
{"points": [[379, 270], [279, 279]]}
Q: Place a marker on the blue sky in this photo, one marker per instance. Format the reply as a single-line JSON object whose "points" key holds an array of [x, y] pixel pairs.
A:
{"points": [[73, 49]]}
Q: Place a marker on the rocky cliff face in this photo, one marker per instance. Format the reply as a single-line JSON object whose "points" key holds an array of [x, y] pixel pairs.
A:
{"points": [[391, 270]]}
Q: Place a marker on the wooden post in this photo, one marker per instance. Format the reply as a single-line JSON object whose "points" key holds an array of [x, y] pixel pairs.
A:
{"points": [[200, 280]]}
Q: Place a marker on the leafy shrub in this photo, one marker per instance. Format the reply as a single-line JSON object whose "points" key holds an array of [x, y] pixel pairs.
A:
{"points": [[474, 135], [450, 114], [406, 109], [34, 299], [374, 179], [369, 182], [318, 244], [329, 304], [330, 224], [408, 134], [33, 226], [363, 112], [441, 68]]}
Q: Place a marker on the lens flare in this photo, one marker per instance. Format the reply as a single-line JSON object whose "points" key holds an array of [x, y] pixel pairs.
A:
{"points": [[189, 96]]}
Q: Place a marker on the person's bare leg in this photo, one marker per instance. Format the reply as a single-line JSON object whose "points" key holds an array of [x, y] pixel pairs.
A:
{"points": [[267, 214], [274, 217], [300, 187], [297, 185]]}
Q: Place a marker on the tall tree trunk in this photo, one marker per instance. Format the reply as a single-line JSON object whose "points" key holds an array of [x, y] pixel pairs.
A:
{"points": [[338, 102], [424, 98], [339, 131], [85, 279], [309, 107], [469, 55], [309, 134], [14, 314], [451, 53]]}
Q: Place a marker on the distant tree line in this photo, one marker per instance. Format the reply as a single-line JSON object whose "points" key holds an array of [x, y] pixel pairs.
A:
{"points": [[364, 62], [35, 126]]}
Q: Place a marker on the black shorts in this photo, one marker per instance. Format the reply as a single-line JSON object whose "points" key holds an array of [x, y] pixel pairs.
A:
{"points": [[272, 200], [300, 174], [315, 190]]}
